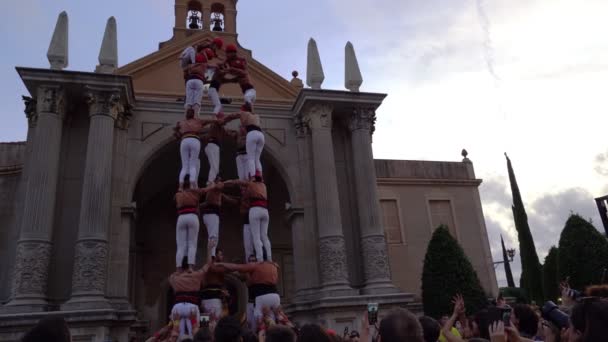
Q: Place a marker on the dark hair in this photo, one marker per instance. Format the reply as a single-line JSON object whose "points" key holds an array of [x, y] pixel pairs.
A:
{"points": [[597, 291], [528, 320], [187, 181], [484, 318], [249, 337], [430, 328], [279, 333], [228, 329], [313, 333], [590, 317], [203, 335], [49, 329], [400, 325], [246, 107]]}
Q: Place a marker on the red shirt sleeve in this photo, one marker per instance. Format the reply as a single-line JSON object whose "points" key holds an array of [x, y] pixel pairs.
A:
{"points": [[209, 53]]}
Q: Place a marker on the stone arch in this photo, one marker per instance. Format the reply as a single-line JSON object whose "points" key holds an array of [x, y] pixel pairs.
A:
{"points": [[195, 8], [154, 177], [163, 139]]}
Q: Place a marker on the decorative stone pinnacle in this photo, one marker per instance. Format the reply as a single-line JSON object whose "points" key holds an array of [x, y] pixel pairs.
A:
{"points": [[58, 49], [108, 54], [314, 68], [295, 81], [352, 73]]}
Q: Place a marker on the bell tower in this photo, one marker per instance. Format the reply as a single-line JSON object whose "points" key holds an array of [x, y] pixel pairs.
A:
{"points": [[192, 16]]}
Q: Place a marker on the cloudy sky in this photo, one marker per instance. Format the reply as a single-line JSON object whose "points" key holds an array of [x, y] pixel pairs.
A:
{"points": [[527, 77]]}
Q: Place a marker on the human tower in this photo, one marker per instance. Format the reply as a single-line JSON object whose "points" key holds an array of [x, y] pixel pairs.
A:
{"points": [[200, 294]]}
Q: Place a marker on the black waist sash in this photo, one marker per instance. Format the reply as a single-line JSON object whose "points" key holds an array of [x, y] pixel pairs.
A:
{"points": [[250, 128], [212, 292], [257, 290], [187, 297]]}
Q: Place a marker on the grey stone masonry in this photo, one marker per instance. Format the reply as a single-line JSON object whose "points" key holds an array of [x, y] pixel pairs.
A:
{"points": [[376, 265], [90, 264], [30, 274], [332, 248]]}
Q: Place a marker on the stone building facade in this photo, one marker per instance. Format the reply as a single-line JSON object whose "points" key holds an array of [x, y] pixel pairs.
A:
{"points": [[86, 213]]}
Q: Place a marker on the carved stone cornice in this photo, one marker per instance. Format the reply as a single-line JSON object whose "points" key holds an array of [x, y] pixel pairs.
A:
{"points": [[51, 99], [104, 102], [318, 116], [363, 118], [123, 121], [30, 110], [302, 129]]}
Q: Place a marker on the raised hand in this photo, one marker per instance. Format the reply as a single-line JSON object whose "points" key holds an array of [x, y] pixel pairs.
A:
{"points": [[459, 306], [497, 332]]}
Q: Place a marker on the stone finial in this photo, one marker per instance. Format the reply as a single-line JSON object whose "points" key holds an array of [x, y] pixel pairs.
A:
{"points": [[352, 74], [58, 49], [314, 69], [295, 81], [465, 155], [108, 54]]}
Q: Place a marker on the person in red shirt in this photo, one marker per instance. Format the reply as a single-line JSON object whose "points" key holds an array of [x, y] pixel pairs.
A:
{"points": [[186, 284], [263, 279], [233, 70], [256, 194], [211, 50], [254, 140], [188, 132]]}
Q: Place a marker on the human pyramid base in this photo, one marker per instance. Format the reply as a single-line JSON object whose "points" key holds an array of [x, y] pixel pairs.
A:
{"points": [[200, 294]]}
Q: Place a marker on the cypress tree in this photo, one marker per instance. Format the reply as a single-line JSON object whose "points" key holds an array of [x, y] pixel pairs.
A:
{"points": [[531, 271], [447, 271], [583, 253], [550, 275], [505, 258]]}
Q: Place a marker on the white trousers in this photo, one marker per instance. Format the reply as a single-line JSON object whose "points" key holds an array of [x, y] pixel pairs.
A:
{"points": [[189, 150], [258, 223], [194, 93], [251, 317], [213, 307], [213, 155], [186, 236], [215, 100], [241, 166], [255, 145], [271, 301], [183, 311], [250, 95], [247, 241], [212, 222]]}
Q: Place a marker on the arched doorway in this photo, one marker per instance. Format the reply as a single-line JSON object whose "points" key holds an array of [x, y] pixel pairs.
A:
{"points": [[153, 242]]}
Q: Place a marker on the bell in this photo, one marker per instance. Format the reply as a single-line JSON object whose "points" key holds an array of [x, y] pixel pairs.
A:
{"points": [[217, 23], [194, 21]]}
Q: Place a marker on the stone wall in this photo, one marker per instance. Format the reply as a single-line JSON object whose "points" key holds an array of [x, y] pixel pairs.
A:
{"points": [[12, 157], [415, 197]]}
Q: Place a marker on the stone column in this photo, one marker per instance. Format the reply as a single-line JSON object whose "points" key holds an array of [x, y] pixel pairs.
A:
{"points": [[91, 257], [332, 247], [376, 266], [122, 217], [35, 240]]}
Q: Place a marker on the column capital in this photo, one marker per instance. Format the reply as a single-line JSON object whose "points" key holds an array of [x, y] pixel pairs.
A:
{"points": [[302, 129], [123, 119], [51, 99], [363, 118], [104, 101], [30, 110], [318, 116]]}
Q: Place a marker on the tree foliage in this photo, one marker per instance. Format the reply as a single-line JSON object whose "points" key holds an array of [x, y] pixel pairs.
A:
{"points": [[447, 272]]}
